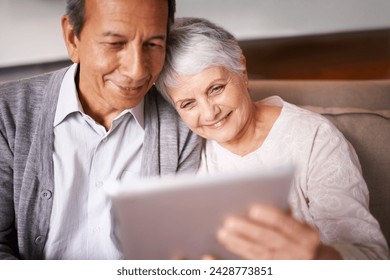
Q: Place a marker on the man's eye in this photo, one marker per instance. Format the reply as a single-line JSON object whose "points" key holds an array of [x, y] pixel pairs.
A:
{"points": [[116, 44], [153, 45]]}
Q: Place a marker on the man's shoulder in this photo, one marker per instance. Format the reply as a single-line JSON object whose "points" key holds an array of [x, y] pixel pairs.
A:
{"points": [[177, 146], [33, 81], [30, 87], [26, 99], [157, 104]]}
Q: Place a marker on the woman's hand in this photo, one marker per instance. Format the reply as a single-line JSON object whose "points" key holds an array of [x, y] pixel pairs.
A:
{"points": [[269, 233]]}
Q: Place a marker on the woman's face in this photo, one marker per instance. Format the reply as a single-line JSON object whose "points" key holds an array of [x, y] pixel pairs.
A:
{"points": [[214, 103]]}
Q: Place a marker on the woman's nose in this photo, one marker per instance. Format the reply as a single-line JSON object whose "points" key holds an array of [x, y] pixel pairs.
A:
{"points": [[210, 111]]}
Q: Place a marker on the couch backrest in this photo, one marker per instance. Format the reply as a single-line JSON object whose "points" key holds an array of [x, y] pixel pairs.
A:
{"points": [[361, 111]]}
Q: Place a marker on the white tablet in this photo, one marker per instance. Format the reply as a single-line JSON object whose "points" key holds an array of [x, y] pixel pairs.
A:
{"points": [[179, 217]]}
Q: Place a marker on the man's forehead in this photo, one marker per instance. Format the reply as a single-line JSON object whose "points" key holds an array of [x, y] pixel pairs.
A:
{"points": [[121, 16], [134, 7]]}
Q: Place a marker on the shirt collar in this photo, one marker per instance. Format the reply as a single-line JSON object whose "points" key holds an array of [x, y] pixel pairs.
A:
{"points": [[137, 112], [69, 102]]}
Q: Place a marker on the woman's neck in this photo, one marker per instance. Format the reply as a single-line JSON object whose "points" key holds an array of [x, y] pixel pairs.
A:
{"points": [[260, 121]]}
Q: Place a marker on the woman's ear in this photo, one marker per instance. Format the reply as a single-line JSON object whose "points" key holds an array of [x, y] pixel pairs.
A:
{"points": [[244, 72], [70, 38], [243, 60]]}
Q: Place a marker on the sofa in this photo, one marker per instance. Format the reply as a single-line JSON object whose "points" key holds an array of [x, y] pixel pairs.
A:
{"points": [[361, 111]]}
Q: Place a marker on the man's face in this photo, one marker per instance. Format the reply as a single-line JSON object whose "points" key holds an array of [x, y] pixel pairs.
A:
{"points": [[121, 51]]}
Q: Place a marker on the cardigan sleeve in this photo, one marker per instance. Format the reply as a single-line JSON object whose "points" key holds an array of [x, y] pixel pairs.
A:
{"points": [[189, 158], [170, 147], [7, 215]]}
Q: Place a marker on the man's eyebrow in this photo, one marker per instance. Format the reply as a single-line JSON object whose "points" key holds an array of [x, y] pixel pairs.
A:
{"points": [[113, 34], [158, 37]]}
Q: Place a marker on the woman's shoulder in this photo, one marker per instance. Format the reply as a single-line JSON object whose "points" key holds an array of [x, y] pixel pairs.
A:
{"points": [[299, 121], [299, 115]]}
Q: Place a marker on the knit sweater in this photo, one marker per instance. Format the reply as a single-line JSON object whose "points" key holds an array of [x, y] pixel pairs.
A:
{"points": [[27, 110]]}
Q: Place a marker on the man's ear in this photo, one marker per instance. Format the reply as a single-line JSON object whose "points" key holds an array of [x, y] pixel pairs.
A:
{"points": [[70, 38]]}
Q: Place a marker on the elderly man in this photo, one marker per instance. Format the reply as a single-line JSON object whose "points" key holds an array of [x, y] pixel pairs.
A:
{"points": [[64, 134]]}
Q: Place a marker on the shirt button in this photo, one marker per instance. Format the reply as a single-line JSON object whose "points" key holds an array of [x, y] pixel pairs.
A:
{"points": [[39, 240], [104, 140], [46, 194], [99, 184], [97, 229]]}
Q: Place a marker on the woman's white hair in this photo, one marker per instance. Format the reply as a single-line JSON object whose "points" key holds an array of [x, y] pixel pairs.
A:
{"points": [[196, 44]]}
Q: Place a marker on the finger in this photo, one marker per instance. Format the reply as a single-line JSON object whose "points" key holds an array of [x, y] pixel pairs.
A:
{"points": [[242, 247], [306, 238], [249, 249], [269, 215], [255, 232], [281, 221], [209, 257], [179, 257]]}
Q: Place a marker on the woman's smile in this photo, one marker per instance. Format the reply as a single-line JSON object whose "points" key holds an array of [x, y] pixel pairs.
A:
{"points": [[220, 123]]}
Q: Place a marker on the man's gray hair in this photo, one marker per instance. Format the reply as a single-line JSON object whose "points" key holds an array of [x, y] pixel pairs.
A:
{"points": [[194, 45], [75, 9]]}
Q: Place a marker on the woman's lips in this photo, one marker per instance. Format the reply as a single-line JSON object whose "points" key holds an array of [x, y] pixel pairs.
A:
{"points": [[220, 122]]}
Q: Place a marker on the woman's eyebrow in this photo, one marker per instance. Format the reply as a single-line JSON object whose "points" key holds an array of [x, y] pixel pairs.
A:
{"points": [[218, 80]]}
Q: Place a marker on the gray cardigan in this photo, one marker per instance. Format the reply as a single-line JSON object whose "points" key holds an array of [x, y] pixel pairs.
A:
{"points": [[27, 110]]}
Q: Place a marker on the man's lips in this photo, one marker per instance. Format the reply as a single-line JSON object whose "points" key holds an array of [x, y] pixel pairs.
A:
{"points": [[129, 87]]}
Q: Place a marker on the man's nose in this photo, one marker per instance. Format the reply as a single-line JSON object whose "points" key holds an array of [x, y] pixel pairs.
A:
{"points": [[134, 64]]}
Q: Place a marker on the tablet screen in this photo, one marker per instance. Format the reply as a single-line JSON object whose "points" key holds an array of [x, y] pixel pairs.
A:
{"points": [[170, 218]]}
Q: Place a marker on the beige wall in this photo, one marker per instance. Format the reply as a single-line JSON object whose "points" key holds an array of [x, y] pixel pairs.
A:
{"points": [[30, 30], [249, 19]]}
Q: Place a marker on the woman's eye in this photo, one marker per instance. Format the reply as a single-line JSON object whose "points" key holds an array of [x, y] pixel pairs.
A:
{"points": [[217, 89], [186, 105]]}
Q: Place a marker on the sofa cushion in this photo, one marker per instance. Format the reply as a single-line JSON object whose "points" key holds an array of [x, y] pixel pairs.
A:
{"points": [[371, 95]]}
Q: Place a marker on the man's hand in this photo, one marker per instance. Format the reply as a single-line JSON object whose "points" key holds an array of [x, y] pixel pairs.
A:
{"points": [[269, 233]]}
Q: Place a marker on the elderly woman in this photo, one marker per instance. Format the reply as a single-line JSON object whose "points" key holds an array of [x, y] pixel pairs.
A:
{"points": [[205, 79]]}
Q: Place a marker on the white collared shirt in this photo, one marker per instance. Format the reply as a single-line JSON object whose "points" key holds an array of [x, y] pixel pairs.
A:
{"points": [[85, 157]]}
